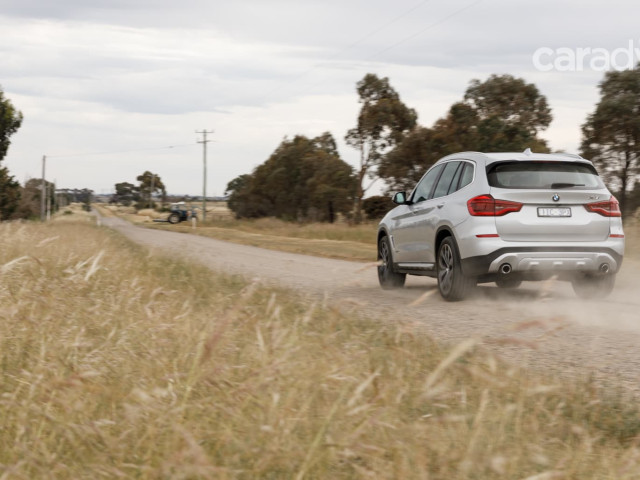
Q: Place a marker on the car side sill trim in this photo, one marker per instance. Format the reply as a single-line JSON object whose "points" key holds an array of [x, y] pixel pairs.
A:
{"points": [[416, 266]]}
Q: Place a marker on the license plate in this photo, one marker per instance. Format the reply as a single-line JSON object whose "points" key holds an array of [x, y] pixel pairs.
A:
{"points": [[554, 212]]}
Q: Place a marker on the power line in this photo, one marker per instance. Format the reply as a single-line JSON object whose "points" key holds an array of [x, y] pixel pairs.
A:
{"points": [[429, 27], [122, 151], [350, 46], [405, 39]]}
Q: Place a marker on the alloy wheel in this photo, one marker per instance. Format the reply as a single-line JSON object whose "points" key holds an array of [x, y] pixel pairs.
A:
{"points": [[445, 268]]}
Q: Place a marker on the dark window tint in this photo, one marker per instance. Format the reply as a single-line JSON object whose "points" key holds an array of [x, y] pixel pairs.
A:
{"points": [[467, 175], [445, 179], [543, 175], [423, 189], [456, 179]]}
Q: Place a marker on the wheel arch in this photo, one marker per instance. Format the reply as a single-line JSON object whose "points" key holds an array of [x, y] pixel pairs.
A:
{"points": [[382, 232], [442, 233]]}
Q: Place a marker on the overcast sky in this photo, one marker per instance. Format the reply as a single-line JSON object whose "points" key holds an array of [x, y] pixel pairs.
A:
{"points": [[107, 86]]}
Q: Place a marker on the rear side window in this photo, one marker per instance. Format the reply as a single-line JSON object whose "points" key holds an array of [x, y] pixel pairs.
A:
{"points": [[543, 175], [456, 179], [445, 179], [467, 175]]}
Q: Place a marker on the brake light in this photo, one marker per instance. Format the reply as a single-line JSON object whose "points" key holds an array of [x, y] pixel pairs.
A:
{"points": [[487, 206], [609, 208]]}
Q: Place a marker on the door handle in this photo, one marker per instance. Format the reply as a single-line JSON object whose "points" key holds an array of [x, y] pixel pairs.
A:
{"points": [[440, 205]]}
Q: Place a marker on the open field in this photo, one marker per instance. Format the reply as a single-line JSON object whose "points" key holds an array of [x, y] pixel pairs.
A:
{"points": [[117, 363]]}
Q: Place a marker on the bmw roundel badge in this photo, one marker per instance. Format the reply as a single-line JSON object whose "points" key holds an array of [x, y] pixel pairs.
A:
{"points": [[556, 197]]}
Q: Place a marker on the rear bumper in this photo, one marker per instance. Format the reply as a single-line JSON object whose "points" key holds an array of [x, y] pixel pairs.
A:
{"points": [[543, 259]]}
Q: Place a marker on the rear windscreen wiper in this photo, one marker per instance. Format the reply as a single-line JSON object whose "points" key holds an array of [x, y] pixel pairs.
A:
{"points": [[566, 185]]}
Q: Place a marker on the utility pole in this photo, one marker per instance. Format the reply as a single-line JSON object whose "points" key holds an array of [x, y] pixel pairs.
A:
{"points": [[48, 208], [204, 142], [44, 191]]}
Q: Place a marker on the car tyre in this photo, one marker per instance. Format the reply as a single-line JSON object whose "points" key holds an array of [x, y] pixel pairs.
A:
{"points": [[388, 278], [453, 284], [174, 218], [593, 286]]}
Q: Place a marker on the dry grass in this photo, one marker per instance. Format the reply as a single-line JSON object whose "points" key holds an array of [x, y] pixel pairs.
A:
{"points": [[320, 247], [120, 364], [339, 231], [338, 240], [73, 213]]}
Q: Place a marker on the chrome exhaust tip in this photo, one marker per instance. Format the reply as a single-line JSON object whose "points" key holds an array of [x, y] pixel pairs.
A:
{"points": [[604, 268], [505, 269]]}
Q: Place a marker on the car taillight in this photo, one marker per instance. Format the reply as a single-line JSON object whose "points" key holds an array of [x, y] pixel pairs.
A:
{"points": [[609, 208], [487, 206]]}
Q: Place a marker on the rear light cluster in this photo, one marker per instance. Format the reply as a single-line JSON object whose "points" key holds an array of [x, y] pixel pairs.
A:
{"points": [[487, 206], [608, 208]]}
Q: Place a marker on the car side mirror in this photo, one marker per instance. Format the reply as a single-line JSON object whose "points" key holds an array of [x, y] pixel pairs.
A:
{"points": [[400, 198]]}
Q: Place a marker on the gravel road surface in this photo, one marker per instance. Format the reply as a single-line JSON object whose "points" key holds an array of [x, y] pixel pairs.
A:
{"points": [[541, 324]]}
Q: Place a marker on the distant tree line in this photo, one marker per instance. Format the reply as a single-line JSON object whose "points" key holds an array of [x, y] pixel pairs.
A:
{"points": [[502, 113]]}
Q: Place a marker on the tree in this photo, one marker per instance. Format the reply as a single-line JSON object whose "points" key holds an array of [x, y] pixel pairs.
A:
{"points": [[382, 122], [9, 194], [634, 200], [510, 111], [150, 183], [611, 134], [502, 113], [10, 121], [31, 197], [303, 179], [126, 193], [377, 206], [239, 192], [403, 166], [331, 186]]}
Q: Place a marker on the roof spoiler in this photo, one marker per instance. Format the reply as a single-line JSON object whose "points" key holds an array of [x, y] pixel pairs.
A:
{"points": [[571, 155]]}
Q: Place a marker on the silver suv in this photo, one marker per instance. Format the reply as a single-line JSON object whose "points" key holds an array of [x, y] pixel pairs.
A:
{"points": [[504, 218]]}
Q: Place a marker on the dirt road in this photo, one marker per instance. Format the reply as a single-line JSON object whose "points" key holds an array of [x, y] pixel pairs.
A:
{"points": [[541, 324]]}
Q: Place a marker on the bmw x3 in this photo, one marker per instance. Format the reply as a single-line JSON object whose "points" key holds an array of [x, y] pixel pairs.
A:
{"points": [[504, 218]]}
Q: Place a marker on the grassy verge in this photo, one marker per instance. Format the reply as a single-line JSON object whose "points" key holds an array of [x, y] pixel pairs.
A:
{"points": [[342, 241], [320, 247], [115, 363]]}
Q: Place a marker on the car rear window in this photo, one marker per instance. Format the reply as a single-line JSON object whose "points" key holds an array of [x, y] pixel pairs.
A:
{"points": [[543, 175]]}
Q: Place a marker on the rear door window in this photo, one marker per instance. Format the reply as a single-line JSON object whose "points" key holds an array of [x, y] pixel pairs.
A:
{"points": [[543, 175]]}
